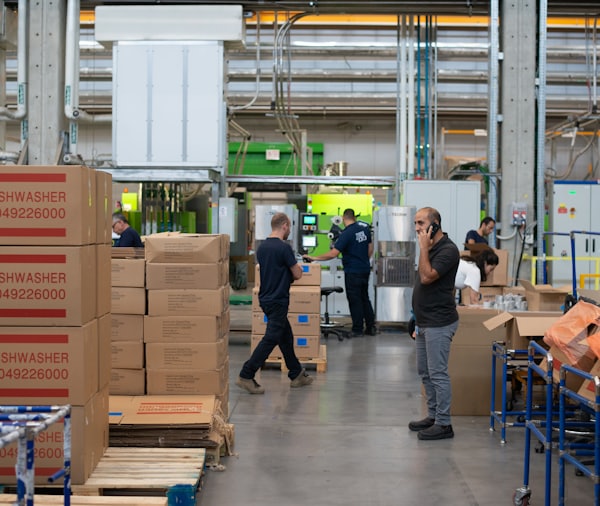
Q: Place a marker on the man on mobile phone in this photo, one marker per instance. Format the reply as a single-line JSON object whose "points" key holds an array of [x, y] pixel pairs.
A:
{"points": [[436, 321]]}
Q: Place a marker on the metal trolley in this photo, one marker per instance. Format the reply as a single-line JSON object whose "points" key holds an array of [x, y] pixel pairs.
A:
{"points": [[22, 424]]}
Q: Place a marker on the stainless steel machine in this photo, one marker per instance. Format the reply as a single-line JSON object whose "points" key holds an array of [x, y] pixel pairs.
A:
{"points": [[262, 227], [394, 247]]}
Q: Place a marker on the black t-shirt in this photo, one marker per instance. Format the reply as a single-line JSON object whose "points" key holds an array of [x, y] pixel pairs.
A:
{"points": [[275, 258], [353, 243], [434, 304], [130, 238]]}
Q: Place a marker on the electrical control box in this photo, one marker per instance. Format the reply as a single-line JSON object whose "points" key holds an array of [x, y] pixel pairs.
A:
{"points": [[519, 214]]}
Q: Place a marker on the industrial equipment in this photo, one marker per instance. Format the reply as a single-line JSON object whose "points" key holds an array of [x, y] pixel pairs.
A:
{"points": [[263, 215], [394, 247], [308, 232]]}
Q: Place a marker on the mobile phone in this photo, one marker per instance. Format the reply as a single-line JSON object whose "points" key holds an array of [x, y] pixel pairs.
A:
{"points": [[433, 229]]}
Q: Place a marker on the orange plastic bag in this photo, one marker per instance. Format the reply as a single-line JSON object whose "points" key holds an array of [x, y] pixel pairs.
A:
{"points": [[571, 331]]}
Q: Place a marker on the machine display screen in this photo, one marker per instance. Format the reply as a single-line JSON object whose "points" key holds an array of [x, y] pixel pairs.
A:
{"points": [[309, 241], [309, 219]]}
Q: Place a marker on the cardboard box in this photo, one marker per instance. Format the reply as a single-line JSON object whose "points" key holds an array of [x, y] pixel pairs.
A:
{"points": [[127, 382], [104, 350], [127, 327], [195, 276], [47, 205], [128, 272], [301, 323], [49, 365], [311, 275], [47, 285], [177, 410], [487, 294], [573, 382], [187, 248], [471, 330], [186, 329], [126, 355], [103, 207], [89, 440], [187, 381], [522, 327], [304, 346], [127, 300], [103, 279], [305, 299], [544, 297], [499, 276], [188, 302], [201, 356], [588, 388]]}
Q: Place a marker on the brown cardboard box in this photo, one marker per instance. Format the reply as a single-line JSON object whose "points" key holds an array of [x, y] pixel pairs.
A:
{"points": [[187, 248], [488, 294], [47, 285], [195, 276], [127, 300], [89, 440], [188, 302], [127, 327], [301, 323], [305, 299], [201, 356], [103, 207], [186, 329], [47, 205], [304, 346], [104, 350], [187, 381], [49, 365], [127, 382], [103, 278], [128, 272], [588, 388], [544, 297], [127, 355], [573, 382], [311, 275], [499, 276], [522, 327]]}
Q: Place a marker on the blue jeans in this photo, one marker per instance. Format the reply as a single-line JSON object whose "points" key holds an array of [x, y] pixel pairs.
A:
{"points": [[279, 333], [433, 352], [357, 293]]}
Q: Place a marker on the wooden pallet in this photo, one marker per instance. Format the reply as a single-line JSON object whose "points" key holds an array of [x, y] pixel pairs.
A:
{"points": [[319, 363], [55, 500], [175, 472]]}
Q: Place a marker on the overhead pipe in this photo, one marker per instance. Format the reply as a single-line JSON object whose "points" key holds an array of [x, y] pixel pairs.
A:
{"points": [[257, 90], [418, 115], [401, 99], [411, 97]]}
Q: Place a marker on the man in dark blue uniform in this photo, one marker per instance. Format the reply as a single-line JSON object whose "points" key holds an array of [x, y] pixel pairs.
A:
{"points": [[128, 236], [356, 248], [278, 269]]}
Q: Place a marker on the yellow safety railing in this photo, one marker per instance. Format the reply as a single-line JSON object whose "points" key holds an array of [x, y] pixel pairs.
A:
{"points": [[533, 259]]}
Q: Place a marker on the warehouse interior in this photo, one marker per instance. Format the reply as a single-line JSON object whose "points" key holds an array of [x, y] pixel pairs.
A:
{"points": [[200, 120]]}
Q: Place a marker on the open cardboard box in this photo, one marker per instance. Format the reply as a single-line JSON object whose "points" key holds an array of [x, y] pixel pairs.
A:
{"points": [[522, 327], [544, 297]]}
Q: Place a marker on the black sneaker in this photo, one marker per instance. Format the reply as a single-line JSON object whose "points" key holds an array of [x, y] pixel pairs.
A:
{"points": [[436, 432], [356, 334], [418, 425], [371, 331]]}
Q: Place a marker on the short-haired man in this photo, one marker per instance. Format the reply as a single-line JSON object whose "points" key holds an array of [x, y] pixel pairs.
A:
{"points": [[278, 269], [479, 236], [128, 236], [434, 307]]}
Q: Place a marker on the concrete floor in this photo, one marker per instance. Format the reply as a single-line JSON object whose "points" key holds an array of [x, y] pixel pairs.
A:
{"points": [[344, 440]]}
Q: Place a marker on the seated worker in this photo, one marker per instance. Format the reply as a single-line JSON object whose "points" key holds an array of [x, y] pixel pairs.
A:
{"points": [[472, 271], [480, 235], [128, 235]]}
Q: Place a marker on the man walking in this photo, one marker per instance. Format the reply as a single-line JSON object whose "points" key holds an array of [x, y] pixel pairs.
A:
{"points": [[436, 318], [278, 269]]}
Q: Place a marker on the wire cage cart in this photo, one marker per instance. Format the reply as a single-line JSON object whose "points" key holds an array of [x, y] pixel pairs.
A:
{"points": [[21, 424]]}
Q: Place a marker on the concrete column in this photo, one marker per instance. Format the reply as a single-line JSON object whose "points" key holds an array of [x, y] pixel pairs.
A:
{"points": [[518, 113], [46, 42]]}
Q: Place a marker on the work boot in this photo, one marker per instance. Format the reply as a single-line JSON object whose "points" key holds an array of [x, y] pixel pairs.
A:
{"points": [[418, 425], [250, 385], [436, 432], [371, 331], [301, 380]]}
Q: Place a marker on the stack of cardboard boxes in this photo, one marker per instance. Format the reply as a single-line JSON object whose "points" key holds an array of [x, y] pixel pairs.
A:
{"points": [[303, 314], [128, 375], [186, 329], [54, 308]]}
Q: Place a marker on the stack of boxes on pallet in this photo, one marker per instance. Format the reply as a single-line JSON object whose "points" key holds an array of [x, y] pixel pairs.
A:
{"points": [[186, 328], [55, 242], [128, 375], [303, 314]]}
